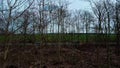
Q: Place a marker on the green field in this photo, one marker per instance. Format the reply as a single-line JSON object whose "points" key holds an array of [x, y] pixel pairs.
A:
{"points": [[60, 38]]}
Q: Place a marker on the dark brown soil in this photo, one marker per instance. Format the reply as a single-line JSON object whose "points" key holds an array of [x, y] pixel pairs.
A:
{"points": [[80, 56]]}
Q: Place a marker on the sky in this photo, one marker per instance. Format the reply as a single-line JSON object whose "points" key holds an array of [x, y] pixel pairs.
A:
{"points": [[79, 4]]}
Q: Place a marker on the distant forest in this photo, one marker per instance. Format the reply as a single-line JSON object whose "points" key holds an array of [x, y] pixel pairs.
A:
{"points": [[53, 16]]}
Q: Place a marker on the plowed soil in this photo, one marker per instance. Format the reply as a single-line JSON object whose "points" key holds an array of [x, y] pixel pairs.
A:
{"points": [[64, 56]]}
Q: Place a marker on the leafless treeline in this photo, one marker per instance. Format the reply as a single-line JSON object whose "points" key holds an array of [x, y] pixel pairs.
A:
{"points": [[53, 16], [48, 16]]}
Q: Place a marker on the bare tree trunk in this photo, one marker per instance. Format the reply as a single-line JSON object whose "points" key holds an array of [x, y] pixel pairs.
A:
{"points": [[117, 31]]}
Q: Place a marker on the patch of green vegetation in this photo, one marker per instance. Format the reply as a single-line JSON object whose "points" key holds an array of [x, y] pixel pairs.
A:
{"points": [[60, 38]]}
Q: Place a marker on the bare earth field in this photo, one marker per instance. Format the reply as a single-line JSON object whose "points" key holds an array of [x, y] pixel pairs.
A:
{"points": [[64, 56]]}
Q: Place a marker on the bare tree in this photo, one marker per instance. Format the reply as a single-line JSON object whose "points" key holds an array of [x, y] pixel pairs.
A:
{"points": [[88, 19], [117, 14], [108, 8], [26, 22], [10, 7], [99, 13]]}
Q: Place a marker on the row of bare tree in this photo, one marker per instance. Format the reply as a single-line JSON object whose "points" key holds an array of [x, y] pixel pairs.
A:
{"points": [[51, 16], [48, 16], [41, 16]]}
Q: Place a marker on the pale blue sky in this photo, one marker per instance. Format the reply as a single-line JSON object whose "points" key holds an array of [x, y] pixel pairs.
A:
{"points": [[79, 4]]}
